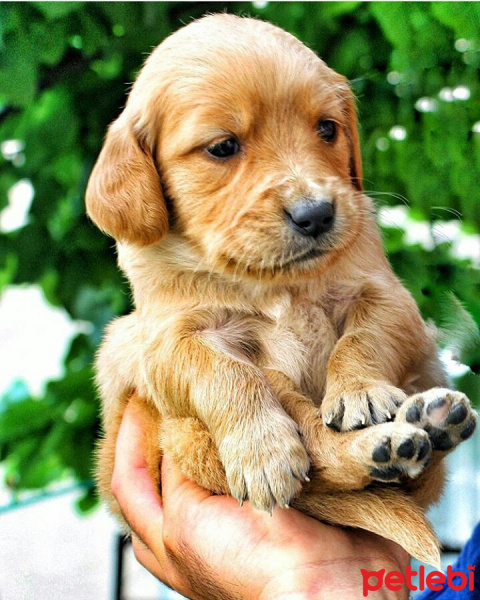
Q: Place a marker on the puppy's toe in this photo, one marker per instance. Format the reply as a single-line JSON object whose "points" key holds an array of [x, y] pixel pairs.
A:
{"points": [[266, 467], [445, 415], [236, 481]]}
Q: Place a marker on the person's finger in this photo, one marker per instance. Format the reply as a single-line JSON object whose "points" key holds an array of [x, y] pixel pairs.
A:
{"points": [[148, 560], [177, 488], [132, 485], [161, 567]]}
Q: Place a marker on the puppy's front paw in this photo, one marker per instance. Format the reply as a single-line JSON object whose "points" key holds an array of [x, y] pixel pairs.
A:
{"points": [[266, 463], [360, 406], [445, 415]]}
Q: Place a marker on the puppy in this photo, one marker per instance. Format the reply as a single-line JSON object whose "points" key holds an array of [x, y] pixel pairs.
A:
{"points": [[271, 345]]}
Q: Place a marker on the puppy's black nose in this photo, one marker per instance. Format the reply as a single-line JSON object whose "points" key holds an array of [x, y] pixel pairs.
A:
{"points": [[311, 217]]}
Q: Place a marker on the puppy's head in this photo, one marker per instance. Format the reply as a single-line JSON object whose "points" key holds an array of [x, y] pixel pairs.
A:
{"points": [[253, 141]]}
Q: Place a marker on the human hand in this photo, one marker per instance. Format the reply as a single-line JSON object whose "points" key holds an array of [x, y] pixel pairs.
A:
{"points": [[209, 548]]}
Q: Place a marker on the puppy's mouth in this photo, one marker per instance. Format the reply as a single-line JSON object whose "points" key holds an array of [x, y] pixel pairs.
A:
{"points": [[311, 254], [277, 267]]}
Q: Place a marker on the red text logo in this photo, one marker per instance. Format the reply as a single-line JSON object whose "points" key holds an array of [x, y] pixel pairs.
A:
{"points": [[435, 580]]}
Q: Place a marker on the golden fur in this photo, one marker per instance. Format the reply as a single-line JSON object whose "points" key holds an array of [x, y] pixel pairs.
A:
{"points": [[248, 335]]}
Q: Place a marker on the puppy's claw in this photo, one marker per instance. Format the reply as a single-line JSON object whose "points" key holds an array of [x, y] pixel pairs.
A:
{"points": [[362, 405]]}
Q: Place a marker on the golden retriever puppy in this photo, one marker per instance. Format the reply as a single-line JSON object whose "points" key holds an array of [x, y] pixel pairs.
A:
{"points": [[271, 343]]}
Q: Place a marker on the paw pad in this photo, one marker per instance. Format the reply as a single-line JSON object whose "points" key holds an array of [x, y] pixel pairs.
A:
{"points": [[387, 473], [445, 415], [405, 451], [383, 451]]}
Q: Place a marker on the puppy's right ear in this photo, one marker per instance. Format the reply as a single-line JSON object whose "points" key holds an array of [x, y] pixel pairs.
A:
{"points": [[124, 195]]}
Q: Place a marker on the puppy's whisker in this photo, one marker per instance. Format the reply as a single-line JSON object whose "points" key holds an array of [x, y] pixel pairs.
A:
{"points": [[456, 213], [377, 194], [392, 224]]}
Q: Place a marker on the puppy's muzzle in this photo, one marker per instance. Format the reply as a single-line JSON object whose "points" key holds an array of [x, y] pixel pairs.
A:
{"points": [[310, 217]]}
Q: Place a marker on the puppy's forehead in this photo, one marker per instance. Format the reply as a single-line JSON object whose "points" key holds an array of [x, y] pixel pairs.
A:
{"points": [[229, 65], [242, 49], [227, 33]]}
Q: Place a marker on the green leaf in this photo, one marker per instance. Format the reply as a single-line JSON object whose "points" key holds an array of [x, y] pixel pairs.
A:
{"points": [[393, 18], [8, 268], [50, 41], [469, 384], [462, 17], [57, 10], [94, 35], [25, 418], [18, 70], [88, 502], [459, 330], [49, 128]]}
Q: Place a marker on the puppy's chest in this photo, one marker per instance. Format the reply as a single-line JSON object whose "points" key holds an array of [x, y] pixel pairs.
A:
{"points": [[307, 332]]}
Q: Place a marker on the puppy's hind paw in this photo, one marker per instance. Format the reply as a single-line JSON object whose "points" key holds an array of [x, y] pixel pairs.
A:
{"points": [[445, 415], [400, 451], [394, 451]]}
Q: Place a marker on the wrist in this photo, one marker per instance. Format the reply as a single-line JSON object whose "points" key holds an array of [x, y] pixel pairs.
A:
{"points": [[324, 581]]}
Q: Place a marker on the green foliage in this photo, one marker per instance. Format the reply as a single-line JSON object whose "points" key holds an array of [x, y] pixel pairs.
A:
{"points": [[65, 68]]}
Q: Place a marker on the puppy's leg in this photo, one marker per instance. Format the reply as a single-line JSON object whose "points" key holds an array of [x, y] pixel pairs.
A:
{"points": [[107, 447], [388, 452], [117, 365], [350, 461], [327, 497], [385, 343], [189, 444], [191, 371]]}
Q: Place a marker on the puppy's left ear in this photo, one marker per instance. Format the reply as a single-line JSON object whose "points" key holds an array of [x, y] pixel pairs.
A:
{"points": [[356, 171], [124, 194]]}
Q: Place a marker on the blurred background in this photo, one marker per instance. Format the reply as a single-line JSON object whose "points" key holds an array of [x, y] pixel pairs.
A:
{"points": [[65, 69]]}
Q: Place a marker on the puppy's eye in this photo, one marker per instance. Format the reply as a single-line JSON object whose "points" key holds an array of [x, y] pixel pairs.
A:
{"points": [[224, 149], [327, 130]]}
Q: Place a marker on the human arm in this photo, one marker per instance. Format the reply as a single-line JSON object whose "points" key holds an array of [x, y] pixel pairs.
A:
{"points": [[209, 548]]}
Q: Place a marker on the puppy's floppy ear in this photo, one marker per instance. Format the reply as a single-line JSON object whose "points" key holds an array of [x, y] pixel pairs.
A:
{"points": [[356, 171], [124, 196]]}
